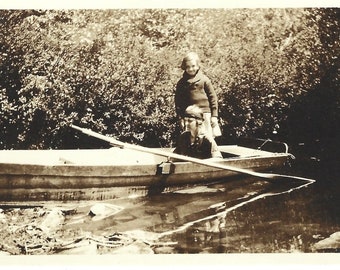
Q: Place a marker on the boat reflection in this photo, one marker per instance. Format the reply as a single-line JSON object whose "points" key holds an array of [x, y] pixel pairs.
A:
{"points": [[170, 213]]}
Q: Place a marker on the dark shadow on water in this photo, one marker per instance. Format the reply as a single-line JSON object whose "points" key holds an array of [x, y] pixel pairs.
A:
{"points": [[293, 221], [245, 215]]}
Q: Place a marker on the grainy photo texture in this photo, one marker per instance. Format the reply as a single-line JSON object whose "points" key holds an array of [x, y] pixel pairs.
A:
{"points": [[169, 131]]}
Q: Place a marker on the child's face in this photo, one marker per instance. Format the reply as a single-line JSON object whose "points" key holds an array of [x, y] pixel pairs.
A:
{"points": [[190, 124], [191, 67]]}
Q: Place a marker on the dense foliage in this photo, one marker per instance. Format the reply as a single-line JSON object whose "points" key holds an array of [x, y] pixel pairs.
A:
{"points": [[114, 71]]}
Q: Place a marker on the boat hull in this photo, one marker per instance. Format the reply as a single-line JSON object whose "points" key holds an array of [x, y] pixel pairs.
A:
{"points": [[64, 175]]}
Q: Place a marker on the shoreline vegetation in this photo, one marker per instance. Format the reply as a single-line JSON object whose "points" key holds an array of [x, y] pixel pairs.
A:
{"points": [[275, 72]]}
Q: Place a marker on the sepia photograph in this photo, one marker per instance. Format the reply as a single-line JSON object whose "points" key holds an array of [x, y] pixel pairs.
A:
{"points": [[146, 133]]}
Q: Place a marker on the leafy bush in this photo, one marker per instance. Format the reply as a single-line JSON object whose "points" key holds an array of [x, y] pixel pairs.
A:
{"points": [[114, 71]]}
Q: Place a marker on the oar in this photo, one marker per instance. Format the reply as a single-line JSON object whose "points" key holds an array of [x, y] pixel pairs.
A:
{"points": [[205, 162]]}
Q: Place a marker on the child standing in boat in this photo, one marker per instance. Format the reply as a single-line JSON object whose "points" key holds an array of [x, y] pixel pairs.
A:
{"points": [[193, 141], [195, 88]]}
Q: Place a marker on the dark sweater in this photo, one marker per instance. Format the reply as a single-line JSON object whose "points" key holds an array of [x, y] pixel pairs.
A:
{"points": [[196, 90]]}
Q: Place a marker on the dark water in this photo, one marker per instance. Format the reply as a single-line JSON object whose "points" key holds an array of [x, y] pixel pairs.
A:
{"points": [[246, 215], [290, 222], [285, 219]]}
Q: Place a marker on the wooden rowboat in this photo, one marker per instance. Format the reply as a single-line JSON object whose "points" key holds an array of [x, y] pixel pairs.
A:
{"points": [[63, 175]]}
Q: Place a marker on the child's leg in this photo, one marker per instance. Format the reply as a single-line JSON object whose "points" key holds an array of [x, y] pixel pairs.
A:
{"points": [[206, 126], [209, 131]]}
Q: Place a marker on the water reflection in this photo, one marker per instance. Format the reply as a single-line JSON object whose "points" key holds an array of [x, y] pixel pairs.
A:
{"points": [[286, 222], [244, 215]]}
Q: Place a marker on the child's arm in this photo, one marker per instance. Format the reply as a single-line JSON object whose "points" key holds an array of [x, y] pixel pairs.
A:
{"points": [[212, 97]]}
